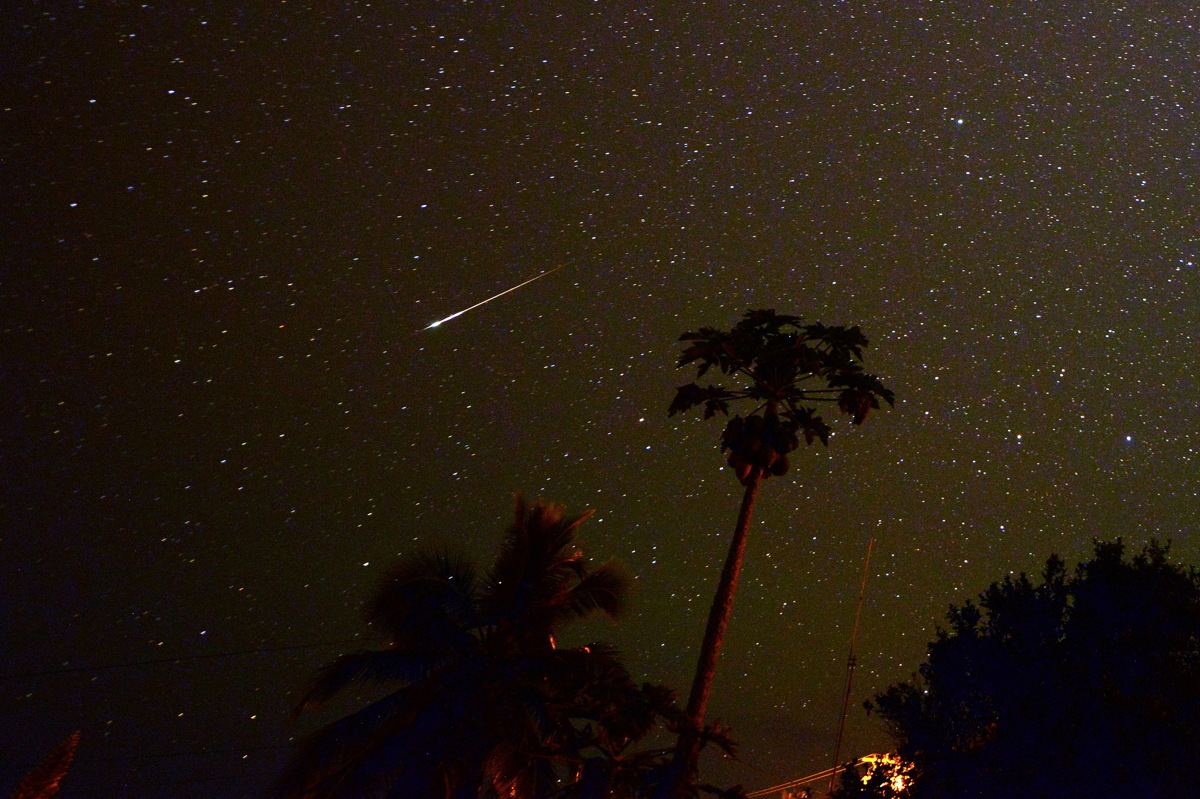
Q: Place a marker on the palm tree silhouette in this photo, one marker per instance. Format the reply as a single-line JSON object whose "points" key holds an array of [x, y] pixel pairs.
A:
{"points": [[486, 700], [773, 357]]}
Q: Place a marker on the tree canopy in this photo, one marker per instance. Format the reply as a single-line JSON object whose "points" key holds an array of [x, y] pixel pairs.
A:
{"points": [[781, 366], [1086, 683]]}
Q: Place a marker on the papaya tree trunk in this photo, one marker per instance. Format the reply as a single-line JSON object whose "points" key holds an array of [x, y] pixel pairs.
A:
{"points": [[685, 765]]}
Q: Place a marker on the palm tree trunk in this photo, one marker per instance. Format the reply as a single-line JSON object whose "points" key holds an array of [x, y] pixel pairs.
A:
{"points": [[685, 765]]}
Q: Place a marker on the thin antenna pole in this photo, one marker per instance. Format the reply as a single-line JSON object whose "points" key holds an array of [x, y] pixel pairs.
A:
{"points": [[851, 662]]}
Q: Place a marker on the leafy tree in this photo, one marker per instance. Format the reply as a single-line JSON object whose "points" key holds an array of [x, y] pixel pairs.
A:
{"points": [[1082, 685], [782, 367], [486, 704], [870, 780]]}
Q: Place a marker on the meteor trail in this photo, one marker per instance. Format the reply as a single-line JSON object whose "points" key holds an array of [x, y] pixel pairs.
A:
{"points": [[489, 299]]}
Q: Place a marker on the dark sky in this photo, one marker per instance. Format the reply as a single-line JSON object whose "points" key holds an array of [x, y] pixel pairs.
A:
{"points": [[224, 230]]}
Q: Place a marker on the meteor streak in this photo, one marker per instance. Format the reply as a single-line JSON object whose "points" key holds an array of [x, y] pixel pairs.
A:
{"points": [[489, 299]]}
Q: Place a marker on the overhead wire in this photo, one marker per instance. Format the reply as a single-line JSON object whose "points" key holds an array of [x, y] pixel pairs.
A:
{"points": [[181, 659]]}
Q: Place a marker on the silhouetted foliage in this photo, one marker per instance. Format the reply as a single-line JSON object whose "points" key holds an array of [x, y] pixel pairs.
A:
{"points": [[486, 704], [606, 772], [867, 781], [772, 357], [1082, 685], [45, 781]]}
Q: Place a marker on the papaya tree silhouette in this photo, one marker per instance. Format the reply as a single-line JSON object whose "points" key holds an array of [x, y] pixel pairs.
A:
{"points": [[486, 703], [781, 367]]}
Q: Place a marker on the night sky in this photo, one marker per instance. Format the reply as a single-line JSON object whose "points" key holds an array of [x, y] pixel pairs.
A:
{"points": [[224, 231]]}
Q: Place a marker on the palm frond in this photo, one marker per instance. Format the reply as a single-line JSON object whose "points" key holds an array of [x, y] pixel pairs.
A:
{"points": [[537, 557], [427, 602], [517, 768], [602, 589], [45, 781], [325, 760], [362, 667]]}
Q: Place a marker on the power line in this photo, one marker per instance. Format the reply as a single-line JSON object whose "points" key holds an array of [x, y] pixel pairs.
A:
{"points": [[125, 788], [182, 659], [852, 661], [796, 783], [184, 753]]}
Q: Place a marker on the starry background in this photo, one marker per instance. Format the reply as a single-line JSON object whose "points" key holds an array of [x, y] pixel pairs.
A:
{"points": [[224, 230]]}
